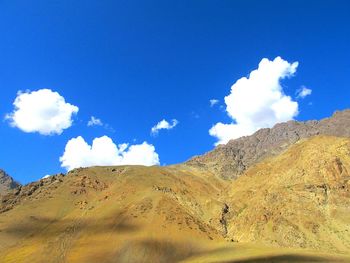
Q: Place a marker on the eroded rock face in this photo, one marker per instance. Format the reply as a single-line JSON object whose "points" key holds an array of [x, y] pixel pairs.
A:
{"points": [[231, 160], [20, 193], [297, 199], [7, 183]]}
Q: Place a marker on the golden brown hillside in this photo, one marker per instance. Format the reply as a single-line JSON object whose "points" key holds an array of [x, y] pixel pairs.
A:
{"points": [[119, 214], [299, 199]]}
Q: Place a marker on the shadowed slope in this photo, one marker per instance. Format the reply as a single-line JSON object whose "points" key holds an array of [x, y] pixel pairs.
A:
{"points": [[108, 213]]}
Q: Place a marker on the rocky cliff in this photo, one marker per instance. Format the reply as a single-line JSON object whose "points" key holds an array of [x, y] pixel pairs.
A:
{"points": [[6, 183]]}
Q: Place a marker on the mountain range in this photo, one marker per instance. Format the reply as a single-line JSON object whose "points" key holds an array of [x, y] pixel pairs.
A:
{"points": [[232, 159], [279, 195]]}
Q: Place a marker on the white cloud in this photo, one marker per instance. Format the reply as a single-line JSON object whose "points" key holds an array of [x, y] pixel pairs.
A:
{"points": [[213, 102], [42, 111], [258, 101], [94, 122], [163, 124], [103, 151], [303, 92], [46, 176], [98, 122]]}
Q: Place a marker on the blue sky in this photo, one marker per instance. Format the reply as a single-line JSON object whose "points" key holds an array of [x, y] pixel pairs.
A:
{"points": [[134, 63]]}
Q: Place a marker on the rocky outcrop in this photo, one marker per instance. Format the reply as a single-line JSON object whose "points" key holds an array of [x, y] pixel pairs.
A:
{"points": [[223, 220], [7, 183], [231, 160], [20, 193]]}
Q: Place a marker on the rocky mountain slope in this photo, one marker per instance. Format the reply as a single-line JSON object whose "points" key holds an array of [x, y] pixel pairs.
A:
{"points": [[7, 183], [112, 214], [296, 200], [289, 202], [231, 160]]}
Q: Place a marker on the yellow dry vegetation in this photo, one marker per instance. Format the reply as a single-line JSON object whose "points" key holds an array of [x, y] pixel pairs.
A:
{"points": [[290, 208], [297, 199]]}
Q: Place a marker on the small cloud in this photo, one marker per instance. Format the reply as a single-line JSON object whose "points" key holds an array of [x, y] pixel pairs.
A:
{"points": [[103, 151], [213, 102], [43, 111], [98, 122], [94, 122], [163, 124], [46, 176], [303, 92], [108, 127]]}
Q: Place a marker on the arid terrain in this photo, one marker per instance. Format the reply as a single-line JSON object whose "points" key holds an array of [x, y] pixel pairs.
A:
{"points": [[290, 203]]}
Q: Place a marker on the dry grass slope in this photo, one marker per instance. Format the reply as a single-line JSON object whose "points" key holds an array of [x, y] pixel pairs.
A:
{"points": [[297, 199], [112, 214], [278, 211]]}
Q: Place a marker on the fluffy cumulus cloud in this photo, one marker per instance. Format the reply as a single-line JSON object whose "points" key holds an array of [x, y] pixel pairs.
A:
{"points": [[103, 151], [163, 124], [303, 92], [43, 111], [258, 101], [94, 122]]}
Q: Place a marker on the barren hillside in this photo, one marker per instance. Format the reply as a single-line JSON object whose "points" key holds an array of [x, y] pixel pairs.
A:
{"points": [[284, 208]]}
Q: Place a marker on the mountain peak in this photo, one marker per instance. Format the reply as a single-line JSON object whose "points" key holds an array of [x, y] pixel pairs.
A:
{"points": [[230, 160], [7, 183]]}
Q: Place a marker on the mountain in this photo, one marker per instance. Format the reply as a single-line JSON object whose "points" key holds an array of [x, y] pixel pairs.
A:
{"points": [[7, 183], [104, 214], [278, 208], [297, 199], [231, 160], [288, 202]]}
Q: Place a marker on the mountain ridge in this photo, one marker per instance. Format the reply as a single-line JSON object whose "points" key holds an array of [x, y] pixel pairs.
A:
{"points": [[230, 160], [296, 200], [289, 203]]}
